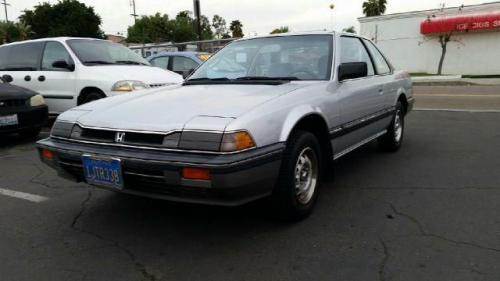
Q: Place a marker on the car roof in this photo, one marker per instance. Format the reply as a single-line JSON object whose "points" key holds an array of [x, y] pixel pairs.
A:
{"points": [[58, 39], [189, 54]]}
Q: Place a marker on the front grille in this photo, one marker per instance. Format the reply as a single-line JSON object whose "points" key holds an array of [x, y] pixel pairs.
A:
{"points": [[157, 85], [12, 103], [128, 138]]}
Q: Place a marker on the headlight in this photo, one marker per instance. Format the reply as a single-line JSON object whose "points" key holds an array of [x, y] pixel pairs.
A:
{"points": [[129, 86], [37, 100], [210, 141], [61, 129]]}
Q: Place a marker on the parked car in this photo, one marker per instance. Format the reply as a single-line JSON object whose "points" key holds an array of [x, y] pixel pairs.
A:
{"points": [[22, 111], [262, 117], [183, 63], [73, 71]]}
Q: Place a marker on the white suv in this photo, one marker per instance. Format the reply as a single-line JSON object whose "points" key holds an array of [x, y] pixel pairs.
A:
{"points": [[73, 71]]}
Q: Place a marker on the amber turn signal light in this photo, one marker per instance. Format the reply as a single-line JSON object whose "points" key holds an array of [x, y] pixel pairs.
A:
{"points": [[237, 141], [47, 154], [196, 174]]}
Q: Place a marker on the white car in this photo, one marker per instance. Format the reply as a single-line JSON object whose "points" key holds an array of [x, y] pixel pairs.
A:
{"points": [[73, 71]]}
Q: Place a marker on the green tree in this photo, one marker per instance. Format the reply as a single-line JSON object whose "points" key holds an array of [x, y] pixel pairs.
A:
{"points": [[183, 27], [373, 8], [65, 18], [10, 32], [151, 29], [236, 28], [206, 29], [282, 29], [350, 29], [220, 28]]}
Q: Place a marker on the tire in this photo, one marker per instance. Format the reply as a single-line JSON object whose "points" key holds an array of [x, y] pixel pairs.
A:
{"points": [[302, 156], [31, 133], [90, 97], [393, 139]]}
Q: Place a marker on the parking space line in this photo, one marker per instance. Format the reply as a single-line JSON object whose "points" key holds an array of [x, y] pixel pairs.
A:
{"points": [[459, 110], [22, 195]]}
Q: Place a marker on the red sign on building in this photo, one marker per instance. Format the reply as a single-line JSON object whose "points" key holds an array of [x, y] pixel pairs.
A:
{"points": [[461, 23]]}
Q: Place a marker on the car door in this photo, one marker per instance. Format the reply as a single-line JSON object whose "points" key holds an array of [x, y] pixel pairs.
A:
{"points": [[359, 98], [183, 65], [56, 80], [384, 75], [19, 64]]}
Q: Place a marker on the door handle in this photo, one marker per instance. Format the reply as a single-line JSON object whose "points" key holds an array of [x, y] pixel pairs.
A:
{"points": [[41, 78], [27, 78]]}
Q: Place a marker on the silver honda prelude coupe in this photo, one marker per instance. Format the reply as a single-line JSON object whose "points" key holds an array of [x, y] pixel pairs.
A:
{"points": [[263, 117]]}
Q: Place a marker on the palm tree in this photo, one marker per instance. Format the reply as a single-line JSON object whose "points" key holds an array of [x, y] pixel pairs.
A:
{"points": [[373, 8], [236, 28]]}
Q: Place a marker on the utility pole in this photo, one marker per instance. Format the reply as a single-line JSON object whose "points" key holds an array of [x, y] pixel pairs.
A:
{"points": [[197, 15], [132, 3], [5, 4]]}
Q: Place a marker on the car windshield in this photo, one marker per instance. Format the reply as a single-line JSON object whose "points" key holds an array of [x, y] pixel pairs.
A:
{"points": [[300, 57], [100, 52]]}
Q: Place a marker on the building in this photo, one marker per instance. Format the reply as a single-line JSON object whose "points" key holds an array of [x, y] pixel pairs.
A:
{"points": [[412, 40], [116, 38]]}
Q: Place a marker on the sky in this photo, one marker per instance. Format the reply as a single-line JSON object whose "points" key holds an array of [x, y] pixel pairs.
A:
{"points": [[258, 16]]}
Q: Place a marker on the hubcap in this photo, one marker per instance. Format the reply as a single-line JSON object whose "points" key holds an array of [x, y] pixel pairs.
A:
{"points": [[306, 175], [398, 127]]}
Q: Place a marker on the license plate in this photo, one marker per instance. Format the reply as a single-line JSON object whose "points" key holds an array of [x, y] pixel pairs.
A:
{"points": [[8, 120], [103, 171]]}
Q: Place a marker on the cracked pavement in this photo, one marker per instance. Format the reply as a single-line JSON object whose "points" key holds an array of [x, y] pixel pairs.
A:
{"points": [[429, 212]]}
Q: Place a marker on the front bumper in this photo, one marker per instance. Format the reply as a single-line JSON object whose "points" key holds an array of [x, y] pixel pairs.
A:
{"points": [[236, 179], [28, 118]]}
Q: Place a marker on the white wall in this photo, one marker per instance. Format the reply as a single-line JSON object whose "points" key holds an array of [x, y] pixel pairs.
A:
{"points": [[399, 38]]}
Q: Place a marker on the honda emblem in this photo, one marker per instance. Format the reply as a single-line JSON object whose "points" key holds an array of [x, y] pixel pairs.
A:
{"points": [[120, 137]]}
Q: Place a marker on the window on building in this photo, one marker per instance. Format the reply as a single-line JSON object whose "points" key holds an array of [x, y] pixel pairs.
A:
{"points": [[352, 50], [381, 64]]}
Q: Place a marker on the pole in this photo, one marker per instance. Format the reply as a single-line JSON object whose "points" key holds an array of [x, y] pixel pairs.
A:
{"points": [[5, 4], [134, 14], [332, 7], [197, 15]]}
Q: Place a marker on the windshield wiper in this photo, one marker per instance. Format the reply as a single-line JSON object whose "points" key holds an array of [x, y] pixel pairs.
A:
{"points": [[97, 62], [131, 62], [205, 80], [266, 78], [209, 79]]}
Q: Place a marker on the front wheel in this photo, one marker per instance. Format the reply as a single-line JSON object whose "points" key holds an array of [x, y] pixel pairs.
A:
{"points": [[393, 139], [298, 184]]}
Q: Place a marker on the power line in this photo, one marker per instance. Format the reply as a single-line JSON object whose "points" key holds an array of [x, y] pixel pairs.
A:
{"points": [[5, 4]]}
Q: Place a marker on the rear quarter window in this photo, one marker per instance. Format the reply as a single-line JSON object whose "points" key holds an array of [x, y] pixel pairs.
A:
{"points": [[21, 57]]}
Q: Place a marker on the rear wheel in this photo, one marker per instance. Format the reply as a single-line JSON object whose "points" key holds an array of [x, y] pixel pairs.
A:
{"points": [[297, 188], [393, 139]]}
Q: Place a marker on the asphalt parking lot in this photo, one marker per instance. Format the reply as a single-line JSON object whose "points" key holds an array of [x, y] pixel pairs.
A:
{"points": [[429, 212]]}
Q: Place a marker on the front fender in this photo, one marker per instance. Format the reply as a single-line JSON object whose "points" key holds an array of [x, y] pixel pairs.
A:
{"points": [[294, 117]]}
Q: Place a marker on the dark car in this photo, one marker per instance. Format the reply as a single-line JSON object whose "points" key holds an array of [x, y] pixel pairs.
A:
{"points": [[182, 63], [22, 111]]}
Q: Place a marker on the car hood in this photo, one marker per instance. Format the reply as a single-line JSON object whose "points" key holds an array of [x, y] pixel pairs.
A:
{"points": [[9, 91], [172, 109], [148, 74]]}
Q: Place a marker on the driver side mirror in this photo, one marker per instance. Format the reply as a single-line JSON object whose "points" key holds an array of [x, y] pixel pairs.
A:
{"points": [[352, 70], [63, 65]]}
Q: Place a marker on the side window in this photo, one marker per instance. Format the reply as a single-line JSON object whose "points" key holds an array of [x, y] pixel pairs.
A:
{"points": [[352, 50], [161, 62], [381, 64], [21, 57], [182, 64], [55, 51]]}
